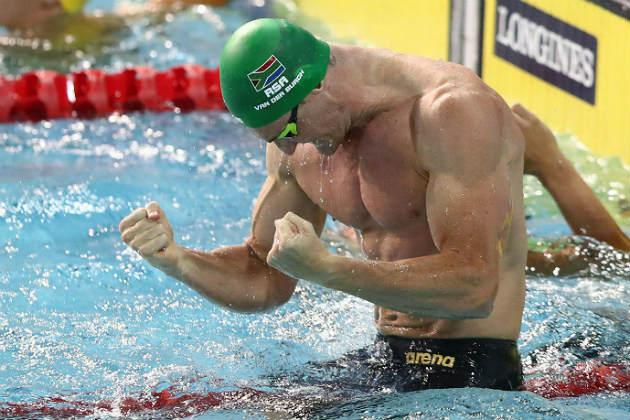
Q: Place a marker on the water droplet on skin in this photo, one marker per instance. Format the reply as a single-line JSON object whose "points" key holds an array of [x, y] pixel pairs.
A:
{"points": [[321, 175]]}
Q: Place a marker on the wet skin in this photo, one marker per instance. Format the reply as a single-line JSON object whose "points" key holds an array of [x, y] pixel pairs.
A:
{"points": [[418, 155], [375, 182]]}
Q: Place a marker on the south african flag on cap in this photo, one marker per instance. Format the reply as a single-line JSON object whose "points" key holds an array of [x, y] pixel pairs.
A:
{"points": [[266, 74]]}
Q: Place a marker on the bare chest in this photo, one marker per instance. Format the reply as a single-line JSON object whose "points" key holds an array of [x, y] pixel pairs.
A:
{"points": [[367, 184]]}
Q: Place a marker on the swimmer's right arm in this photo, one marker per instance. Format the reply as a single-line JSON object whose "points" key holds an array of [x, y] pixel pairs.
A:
{"points": [[578, 203], [236, 277]]}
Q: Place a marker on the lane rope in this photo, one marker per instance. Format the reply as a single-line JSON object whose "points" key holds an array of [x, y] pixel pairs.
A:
{"points": [[169, 403], [45, 94], [589, 377]]}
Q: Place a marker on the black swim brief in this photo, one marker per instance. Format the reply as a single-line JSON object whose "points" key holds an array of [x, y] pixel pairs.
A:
{"points": [[454, 363], [405, 365]]}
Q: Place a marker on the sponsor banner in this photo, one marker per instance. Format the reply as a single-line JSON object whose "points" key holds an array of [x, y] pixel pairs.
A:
{"points": [[549, 48], [567, 61]]}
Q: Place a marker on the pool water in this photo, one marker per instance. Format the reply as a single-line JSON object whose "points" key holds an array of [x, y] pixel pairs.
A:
{"points": [[83, 320]]}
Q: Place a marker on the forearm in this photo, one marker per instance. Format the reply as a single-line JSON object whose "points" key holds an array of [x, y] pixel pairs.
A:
{"points": [[435, 286], [561, 262], [233, 277], [581, 208]]}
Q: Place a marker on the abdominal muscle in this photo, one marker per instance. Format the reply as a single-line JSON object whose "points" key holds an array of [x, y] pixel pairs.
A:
{"points": [[503, 322], [390, 322], [408, 243]]}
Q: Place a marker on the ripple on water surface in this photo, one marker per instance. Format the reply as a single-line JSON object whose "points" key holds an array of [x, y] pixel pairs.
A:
{"points": [[84, 317]]}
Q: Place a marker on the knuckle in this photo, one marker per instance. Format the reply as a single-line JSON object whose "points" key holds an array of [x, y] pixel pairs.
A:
{"points": [[147, 249], [154, 228]]}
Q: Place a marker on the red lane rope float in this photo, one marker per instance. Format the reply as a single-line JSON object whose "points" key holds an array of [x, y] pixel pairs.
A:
{"points": [[171, 405], [44, 94], [584, 378]]}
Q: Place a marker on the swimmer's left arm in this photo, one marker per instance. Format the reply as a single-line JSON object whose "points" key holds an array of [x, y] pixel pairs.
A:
{"points": [[468, 205]]}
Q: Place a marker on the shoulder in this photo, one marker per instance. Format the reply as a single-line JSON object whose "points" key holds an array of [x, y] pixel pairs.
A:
{"points": [[458, 103], [459, 122]]}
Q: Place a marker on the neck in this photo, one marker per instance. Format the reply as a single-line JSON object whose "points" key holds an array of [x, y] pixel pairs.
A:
{"points": [[369, 81]]}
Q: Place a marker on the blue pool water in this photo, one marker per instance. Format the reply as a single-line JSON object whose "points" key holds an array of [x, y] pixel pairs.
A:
{"points": [[83, 317]]}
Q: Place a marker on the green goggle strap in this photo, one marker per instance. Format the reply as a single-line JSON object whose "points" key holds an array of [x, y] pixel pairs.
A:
{"points": [[290, 128]]}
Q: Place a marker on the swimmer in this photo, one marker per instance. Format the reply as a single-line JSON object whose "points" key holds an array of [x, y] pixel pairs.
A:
{"points": [[37, 28], [420, 156], [25, 14], [580, 207], [29, 15]]}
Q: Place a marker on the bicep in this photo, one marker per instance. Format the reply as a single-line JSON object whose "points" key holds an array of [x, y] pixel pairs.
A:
{"points": [[471, 217], [280, 194], [469, 193]]}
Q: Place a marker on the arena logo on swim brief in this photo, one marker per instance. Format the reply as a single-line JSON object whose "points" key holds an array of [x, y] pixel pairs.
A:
{"points": [[417, 358], [547, 47]]}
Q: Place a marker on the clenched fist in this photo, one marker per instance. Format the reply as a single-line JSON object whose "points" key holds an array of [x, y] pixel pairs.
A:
{"points": [[148, 232], [297, 250]]}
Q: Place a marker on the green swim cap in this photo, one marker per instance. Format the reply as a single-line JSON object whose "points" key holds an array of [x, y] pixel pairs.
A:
{"points": [[268, 66]]}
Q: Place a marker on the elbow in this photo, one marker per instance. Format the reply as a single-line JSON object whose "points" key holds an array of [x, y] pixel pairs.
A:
{"points": [[266, 299], [263, 288], [256, 304], [478, 300], [480, 308], [277, 290]]}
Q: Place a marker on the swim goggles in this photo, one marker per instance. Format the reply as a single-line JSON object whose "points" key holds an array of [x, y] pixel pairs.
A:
{"points": [[290, 130]]}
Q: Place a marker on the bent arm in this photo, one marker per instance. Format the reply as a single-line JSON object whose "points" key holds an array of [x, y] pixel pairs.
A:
{"points": [[233, 277], [579, 205], [238, 277], [584, 213], [460, 281], [468, 209], [556, 262]]}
